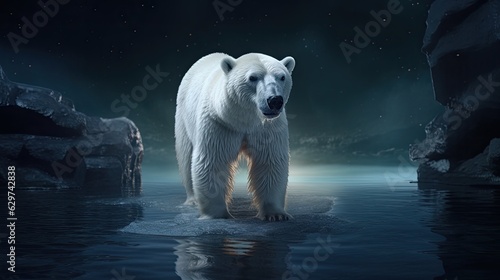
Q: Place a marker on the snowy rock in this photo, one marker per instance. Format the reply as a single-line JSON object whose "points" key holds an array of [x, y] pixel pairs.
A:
{"points": [[434, 145], [473, 172], [52, 145], [461, 44], [442, 165]]}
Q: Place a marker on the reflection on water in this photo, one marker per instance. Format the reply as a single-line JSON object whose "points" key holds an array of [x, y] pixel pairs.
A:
{"points": [[372, 230], [243, 248], [54, 229], [230, 258], [468, 219]]}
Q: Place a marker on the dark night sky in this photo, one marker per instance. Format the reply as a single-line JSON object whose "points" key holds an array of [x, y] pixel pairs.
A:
{"points": [[95, 51]]}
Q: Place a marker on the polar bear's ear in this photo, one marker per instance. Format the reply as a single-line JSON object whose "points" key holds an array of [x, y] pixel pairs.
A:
{"points": [[227, 64], [289, 63]]}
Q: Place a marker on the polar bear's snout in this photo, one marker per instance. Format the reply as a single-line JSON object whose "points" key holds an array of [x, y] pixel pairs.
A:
{"points": [[275, 103], [272, 101], [273, 106]]}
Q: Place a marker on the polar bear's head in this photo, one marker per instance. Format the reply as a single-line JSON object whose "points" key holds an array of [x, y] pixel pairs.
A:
{"points": [[259, 82]]}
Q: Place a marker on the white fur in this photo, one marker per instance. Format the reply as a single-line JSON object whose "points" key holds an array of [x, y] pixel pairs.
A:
{"points": [[219, 117]]}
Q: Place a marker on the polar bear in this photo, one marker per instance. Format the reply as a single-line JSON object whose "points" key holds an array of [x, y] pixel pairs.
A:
{"points": [[227, 108]]}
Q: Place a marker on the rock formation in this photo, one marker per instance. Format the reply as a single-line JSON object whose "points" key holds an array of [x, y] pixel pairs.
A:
{"points": [[462, 44], [52, 145]]}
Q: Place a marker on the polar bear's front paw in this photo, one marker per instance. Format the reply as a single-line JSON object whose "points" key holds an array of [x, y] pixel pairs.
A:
{"points": [[272, 217], [190, 201]]}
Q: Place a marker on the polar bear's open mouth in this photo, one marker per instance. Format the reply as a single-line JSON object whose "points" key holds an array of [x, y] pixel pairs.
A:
{"points": [[271, 115]]}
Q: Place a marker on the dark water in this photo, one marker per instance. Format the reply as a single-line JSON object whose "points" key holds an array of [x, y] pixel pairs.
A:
{"points": [[351, 224]]}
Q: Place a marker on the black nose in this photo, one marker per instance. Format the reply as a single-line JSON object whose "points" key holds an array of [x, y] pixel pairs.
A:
{"points": [[275, 103]]}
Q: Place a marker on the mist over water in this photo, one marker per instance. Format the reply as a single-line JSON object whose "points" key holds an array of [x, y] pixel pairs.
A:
{"points": [[313, 212]]}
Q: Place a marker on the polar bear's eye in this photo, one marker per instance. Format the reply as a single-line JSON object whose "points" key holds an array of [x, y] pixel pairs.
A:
{"points": [[282, 78], [252, 78]]}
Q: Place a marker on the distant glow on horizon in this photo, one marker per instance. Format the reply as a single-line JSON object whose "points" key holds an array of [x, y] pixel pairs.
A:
{"points": [[351, 174], [317, 174]]}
